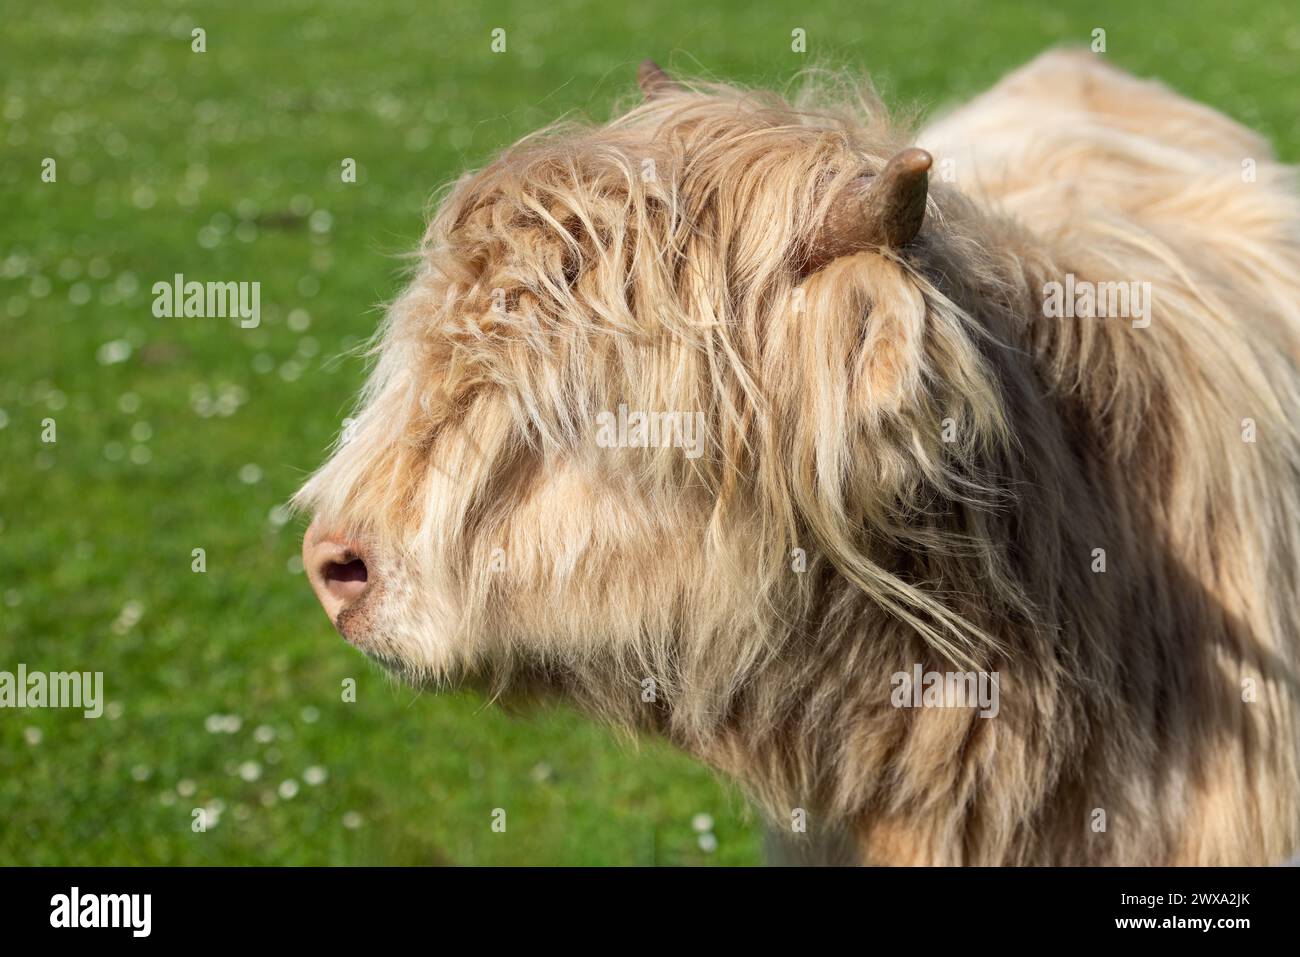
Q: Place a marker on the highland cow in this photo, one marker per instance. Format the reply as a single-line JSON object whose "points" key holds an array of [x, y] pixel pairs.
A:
{"points": [[908, 464]]}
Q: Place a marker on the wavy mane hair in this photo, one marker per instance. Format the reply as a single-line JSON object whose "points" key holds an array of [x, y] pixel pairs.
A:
{"points": [[906, 463]]}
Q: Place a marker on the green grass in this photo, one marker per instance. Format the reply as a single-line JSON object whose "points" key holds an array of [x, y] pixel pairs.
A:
{"points": [[225, 165]]}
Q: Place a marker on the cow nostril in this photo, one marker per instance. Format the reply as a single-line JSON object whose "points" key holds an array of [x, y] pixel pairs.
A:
{"points": [[344, 578], [346, 572]]}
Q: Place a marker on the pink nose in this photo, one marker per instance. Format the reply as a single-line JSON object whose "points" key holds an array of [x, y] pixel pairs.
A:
{"points": [[336, 569]]}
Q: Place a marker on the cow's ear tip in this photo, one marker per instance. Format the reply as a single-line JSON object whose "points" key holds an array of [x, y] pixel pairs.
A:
{"points": [[654, 81]]}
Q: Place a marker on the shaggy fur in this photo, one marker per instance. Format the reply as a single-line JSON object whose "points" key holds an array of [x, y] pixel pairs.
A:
{"points": [[659, 261]]}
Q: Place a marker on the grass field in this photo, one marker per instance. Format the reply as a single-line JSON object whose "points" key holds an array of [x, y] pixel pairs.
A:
{"points": [[223, 687]]}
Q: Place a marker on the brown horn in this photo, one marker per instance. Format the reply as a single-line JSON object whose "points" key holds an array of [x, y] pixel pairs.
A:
{"points": [[888, 212], [654, 82]]}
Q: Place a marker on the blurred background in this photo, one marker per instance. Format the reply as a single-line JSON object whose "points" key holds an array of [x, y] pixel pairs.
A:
{"points": [[223, 688]]}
